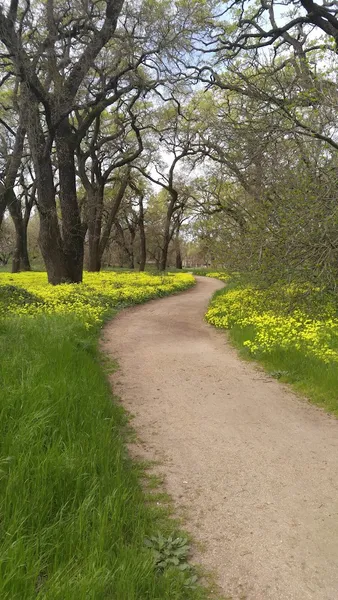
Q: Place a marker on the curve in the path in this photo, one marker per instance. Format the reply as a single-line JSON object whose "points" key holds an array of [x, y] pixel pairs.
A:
{"points": [[256, 467]]}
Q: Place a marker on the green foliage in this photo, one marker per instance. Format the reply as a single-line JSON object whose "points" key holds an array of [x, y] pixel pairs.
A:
{"points": [[279, 320], [16, 296], [172, 551], [169, 551], [278, 374], [29, 294], [270, 207], [291, 330], [73, 514]]}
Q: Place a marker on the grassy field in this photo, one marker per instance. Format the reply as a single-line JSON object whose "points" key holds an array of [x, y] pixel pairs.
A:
{"points": [[74, 519], [291, 329]]}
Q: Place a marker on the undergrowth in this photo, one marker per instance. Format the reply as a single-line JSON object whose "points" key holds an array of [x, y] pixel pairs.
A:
{"points": [[292, 330], [75, 518]]}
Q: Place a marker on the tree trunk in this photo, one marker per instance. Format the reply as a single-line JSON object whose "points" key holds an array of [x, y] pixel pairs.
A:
{"points": [[20, 260], [165, 247], [25, 262], [143, 243], [127, 253], [95, 205], [131, 250], [14, 207], [72, 230], [94, 259], [166, 234], [2, 202], [179, 264], [112, 215], [12, 168], [16, 259], [51, 250], [50, 240]]}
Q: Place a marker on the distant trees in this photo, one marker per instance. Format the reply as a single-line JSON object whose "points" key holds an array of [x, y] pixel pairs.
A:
{"points": [[172, 143], [51, 56], [65, 64], [268, 195]]}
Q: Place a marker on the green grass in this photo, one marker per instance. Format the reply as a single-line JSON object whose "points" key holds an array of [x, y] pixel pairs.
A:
{"points": [[36, 266], [74, 517], [307, 374], [194, 270]]}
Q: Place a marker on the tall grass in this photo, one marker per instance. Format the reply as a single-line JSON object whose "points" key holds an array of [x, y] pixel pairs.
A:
{"points": [[308, 374], [73, 516]]}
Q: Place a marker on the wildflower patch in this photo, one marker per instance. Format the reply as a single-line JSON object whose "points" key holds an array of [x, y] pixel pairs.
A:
{"points": [[281, 318], [29, 294]]}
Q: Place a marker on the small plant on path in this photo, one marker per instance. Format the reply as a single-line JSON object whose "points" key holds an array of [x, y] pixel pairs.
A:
{"points": [[172, 552]]}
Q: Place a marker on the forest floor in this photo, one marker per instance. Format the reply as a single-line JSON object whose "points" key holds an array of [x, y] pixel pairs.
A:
{"points": [[252, 467]]}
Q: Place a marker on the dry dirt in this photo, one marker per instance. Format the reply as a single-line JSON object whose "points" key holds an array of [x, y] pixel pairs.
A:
{"points": [[255, 467]]}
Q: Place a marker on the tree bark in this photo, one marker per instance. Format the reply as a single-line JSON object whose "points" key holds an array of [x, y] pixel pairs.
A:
{"points": [[112, 215], [166, 234], [179, 264], [95, 206], [72, 230], [12, 168], [29, 203], [165, 247], [50, 240], [127, 253], [25, 262], [15, 212], [3, 202], [143, 241], [94, 258], [20, 260], [131, 251]]}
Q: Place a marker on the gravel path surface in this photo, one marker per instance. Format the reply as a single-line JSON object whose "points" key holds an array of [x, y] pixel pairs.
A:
{"points": [[254, 468]]}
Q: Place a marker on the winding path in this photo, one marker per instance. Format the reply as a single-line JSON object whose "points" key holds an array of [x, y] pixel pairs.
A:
{"points": [[254, 467]]}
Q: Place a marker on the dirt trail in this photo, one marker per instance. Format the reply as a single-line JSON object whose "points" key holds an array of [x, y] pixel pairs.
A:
{"points": [[255, 467]]}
